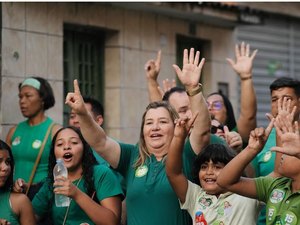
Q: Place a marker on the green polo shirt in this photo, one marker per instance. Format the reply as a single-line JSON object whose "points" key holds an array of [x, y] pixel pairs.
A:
{"points": [[105, 184], [150, 198], [282, 206]]}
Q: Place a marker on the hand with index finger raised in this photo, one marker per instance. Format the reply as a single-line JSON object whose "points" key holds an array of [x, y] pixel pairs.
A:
{"points": [[75, 100]]}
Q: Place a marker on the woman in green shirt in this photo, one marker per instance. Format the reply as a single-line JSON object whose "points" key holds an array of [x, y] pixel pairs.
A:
{"points": [[15, 207]]}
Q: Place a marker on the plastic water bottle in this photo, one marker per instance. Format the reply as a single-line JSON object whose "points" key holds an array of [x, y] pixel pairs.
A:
{"points": [[60, 170]]}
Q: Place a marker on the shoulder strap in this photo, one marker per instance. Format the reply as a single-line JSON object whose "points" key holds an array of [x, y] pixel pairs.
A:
{"points": [[39, 157]]}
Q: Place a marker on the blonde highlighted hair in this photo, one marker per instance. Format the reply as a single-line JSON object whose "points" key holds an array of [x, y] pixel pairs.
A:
{"points": [[143, 151]]}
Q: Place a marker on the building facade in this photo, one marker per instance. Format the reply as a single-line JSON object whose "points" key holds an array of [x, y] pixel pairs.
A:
{"points": [[105, 47]]}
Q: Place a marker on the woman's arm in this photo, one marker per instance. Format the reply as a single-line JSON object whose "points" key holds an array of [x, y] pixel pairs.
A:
{"points": [[21, 205], [230, 176], [190, 76], [91, 131], [108, 212], [243, 67]]}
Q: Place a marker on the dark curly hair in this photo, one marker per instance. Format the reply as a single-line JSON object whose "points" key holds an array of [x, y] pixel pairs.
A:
{"points": [[9, 182], [217, 153], [88, 161]]}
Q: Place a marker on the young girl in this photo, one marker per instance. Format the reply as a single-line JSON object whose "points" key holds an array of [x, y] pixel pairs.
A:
{"points": [[15, 207], [206, 202], [94, 190]]}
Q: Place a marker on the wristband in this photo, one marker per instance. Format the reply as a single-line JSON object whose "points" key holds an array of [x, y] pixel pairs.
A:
{"points": [[194, 91], [246, 78]]}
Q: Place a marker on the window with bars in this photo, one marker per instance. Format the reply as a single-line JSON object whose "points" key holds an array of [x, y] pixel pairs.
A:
{"points": [[83, 60]]}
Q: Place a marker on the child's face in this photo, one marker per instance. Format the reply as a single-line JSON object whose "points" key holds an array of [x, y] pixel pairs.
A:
{"points": [[5, 167], [208, 175]]}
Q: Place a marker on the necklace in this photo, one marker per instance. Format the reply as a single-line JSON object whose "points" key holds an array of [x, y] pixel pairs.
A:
{"points": [[67, 211]]}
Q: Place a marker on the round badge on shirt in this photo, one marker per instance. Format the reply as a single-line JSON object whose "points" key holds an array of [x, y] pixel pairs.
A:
{"points": [[141, 171]]}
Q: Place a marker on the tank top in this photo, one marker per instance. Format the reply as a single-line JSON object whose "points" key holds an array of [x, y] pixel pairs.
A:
{"points": [[6, 211], [26, 143]]}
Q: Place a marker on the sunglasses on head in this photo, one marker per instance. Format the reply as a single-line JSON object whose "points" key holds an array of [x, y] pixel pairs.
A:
{"points": [[213, 129]]}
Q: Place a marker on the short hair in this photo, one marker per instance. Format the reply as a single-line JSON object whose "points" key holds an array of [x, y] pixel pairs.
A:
{"points": [[171, 91], [217, 153], [230, 118], [97, 107], [9, 182], [286, 82], [45, 92]]}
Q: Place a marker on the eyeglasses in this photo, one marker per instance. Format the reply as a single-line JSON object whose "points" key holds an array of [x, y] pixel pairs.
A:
{"points": [[213, 129], [217, 105]]}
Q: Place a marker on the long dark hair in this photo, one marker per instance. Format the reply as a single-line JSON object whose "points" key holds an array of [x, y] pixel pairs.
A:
{"points": [[88, 161], [9, 182], [230, 118]]}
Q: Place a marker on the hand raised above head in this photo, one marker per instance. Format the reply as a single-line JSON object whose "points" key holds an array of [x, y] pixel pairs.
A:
{"points": [[191, 71], [152, 67], [75, 100], [244, 61]]}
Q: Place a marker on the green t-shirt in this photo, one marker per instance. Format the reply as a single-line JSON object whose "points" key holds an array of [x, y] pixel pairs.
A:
{"points": [[263, 164], [26, 143], [214, 139], [105, 184], [150, 198], [6, 211], [282, 206]]}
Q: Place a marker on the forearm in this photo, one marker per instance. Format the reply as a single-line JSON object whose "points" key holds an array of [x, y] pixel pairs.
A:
{"points": [[232, 172], [96, 212], [91, 131], [247, 117], [174, 159], [201, 129], [153, 91]]}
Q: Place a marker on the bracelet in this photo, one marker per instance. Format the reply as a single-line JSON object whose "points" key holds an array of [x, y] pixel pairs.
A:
{"points": [[194, 91], [246, 78]]}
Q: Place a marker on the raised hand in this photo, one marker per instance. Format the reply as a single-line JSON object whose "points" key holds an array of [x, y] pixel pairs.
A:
{"points": [[244, 61], [191, 71], [152, 67], [75, 100], [259, 136], [167, 85], [288, 133], [233, 139], [183, 126]]}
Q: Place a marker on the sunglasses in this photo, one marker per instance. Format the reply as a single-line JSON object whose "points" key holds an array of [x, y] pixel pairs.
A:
{"points": [[213, 129], [217, 105]]}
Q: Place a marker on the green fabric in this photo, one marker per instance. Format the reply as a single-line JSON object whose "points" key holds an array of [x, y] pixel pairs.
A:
{"points": [[263, 165], [282, 206], [26, 143], [6, 211], [214, 139], [105, 183], [150, 198]]}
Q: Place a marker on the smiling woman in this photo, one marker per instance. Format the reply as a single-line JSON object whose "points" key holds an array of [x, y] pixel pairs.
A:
{"points": [[94, 190]]}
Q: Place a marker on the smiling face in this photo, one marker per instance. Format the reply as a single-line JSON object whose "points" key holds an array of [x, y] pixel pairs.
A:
{"points": [[69, 147], [208, 174], [158, 130], [5, 166]]}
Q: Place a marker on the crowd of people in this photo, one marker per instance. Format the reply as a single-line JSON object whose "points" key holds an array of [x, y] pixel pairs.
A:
{"points": [[194, 163]]}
